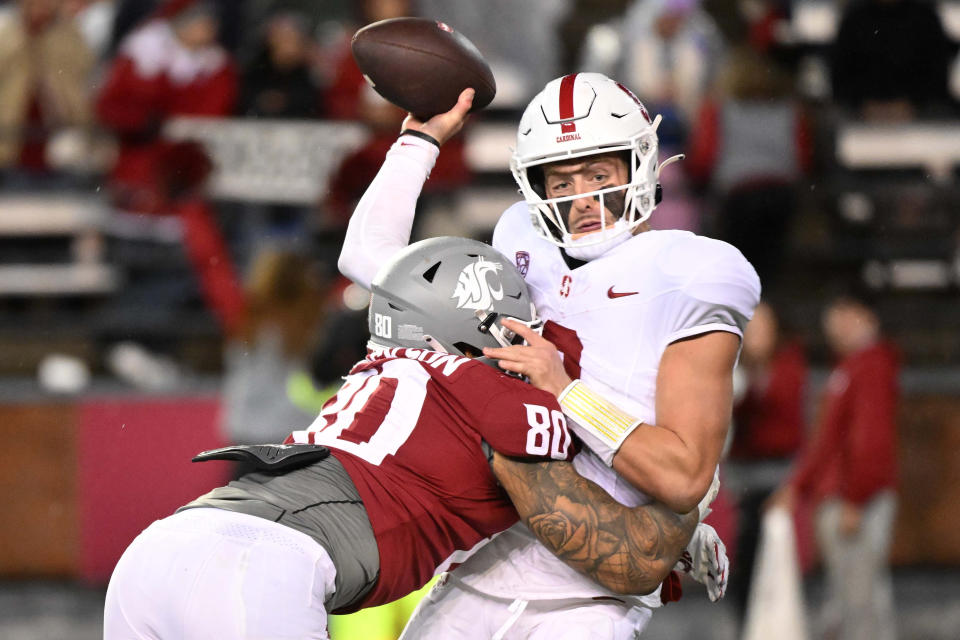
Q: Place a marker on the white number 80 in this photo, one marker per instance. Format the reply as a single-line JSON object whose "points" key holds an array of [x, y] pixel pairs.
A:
{"points": [[541, 439]]}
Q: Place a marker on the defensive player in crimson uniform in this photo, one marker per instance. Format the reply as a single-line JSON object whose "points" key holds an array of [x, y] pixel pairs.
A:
{"points": [[648, 322], [404, 484]]}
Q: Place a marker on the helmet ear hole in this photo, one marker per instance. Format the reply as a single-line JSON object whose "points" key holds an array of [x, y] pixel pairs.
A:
{"points": [[658, 194], [431, 273], [535, 177], [468, 349]]}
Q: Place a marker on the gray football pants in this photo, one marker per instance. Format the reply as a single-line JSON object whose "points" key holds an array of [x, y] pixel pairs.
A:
{"points": [[859, 593]]}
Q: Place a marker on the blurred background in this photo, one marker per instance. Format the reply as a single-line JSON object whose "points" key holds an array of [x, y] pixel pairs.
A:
{"points": [[175, 181]]}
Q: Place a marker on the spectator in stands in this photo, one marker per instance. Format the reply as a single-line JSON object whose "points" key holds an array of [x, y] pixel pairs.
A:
{"points": [[45, 68], [849, 469], [669, 51], [520, 40], [130, 14], [278, 82], [768, 430], [284, 303], [890, 59], [577, 24], [751, 146], [165, 68], [172, 66]]}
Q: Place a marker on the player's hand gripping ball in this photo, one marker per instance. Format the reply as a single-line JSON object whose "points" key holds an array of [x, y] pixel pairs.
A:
{"points": [[422, 65]]}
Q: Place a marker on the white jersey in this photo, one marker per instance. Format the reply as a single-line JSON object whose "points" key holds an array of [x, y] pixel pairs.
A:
{"points": [[619, 311]]}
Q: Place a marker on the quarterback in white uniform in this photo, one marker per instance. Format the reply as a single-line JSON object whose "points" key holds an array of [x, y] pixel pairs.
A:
{"points": [[648, 324]]}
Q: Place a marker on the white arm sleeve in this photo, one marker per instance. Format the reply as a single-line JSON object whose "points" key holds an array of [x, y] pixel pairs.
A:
{"points": [[380, 225]]}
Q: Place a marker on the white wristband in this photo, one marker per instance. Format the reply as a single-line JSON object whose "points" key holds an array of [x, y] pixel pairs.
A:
{"points": [[600, 424]]}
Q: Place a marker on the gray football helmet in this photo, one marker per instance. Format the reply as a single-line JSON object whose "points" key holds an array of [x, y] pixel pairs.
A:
{"points": [[448, 294]]}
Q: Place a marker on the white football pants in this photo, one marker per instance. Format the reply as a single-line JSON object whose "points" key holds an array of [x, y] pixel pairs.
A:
{"points": [[454, 611], [209, 573]]}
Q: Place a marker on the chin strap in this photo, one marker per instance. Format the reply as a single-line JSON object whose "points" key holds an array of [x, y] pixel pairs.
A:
{"points": [[617, 234], [434, 344]]}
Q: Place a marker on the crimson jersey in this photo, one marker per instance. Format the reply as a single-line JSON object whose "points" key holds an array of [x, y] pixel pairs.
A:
{"points": [[407, 425]]}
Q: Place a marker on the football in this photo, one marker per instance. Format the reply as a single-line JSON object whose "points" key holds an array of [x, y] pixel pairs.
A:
{"points": [[422, 65]]}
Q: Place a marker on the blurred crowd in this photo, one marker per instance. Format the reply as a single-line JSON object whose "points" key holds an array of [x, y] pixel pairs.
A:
{"points": [[88, 87]]}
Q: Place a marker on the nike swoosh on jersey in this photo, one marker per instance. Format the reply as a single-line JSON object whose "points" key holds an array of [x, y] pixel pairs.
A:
{"points": [[619, 294]]}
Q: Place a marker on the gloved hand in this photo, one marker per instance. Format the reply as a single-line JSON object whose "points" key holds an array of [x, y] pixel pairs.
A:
{"points": [[704, 506], [705, 560]]}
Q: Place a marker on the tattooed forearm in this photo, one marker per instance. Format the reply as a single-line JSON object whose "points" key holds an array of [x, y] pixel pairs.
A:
{"points": [[625, 550]]}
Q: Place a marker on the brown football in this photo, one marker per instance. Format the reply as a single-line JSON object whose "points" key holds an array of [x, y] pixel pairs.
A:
{"points": [[422, 65]]}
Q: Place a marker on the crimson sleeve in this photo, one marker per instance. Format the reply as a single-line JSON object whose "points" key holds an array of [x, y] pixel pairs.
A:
{"points": [[525, 422], [824, 442]]}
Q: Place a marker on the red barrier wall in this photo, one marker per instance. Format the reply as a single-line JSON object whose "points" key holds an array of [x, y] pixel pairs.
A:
{"points": [[134, 467]]}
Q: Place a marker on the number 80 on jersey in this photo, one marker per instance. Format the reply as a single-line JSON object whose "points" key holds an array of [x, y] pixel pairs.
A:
{"points": [[548, 432]]}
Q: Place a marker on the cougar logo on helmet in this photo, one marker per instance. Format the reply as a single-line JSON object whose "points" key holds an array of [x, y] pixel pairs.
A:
{"points": [[474, 290], [414, 291]]}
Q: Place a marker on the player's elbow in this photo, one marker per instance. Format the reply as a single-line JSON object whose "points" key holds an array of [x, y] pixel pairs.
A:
{"points": [[682, 501], [676, 491], [679, 485], [644, 583], [647, 586], [349, 264], [682, 494], [345, 261], [690, 492]]}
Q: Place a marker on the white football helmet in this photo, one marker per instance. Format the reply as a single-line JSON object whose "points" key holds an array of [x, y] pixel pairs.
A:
{"points": [[579, 115]]}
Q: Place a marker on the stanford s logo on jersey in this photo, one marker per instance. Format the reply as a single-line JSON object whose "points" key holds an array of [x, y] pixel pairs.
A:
{"points": [[565, 286], [474, 290], [523, 262]]}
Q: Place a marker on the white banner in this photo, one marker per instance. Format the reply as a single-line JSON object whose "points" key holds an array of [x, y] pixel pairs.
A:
{"points": [[270, 161], [775, 605]]}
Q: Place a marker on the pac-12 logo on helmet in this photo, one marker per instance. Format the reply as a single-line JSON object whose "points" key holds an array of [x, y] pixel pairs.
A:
{"points": [[474, 289]]}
